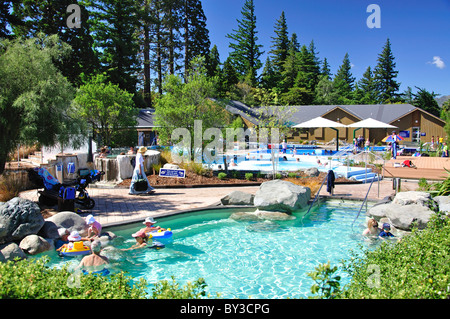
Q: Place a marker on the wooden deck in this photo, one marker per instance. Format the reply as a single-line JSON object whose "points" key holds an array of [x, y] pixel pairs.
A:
{"points": [[432, 168]]}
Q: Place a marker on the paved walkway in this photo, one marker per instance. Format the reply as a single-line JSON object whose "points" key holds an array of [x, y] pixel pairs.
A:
{"points": [[115, 206]]}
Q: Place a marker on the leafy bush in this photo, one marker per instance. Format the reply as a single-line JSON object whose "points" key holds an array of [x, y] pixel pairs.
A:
{"points": [[221, 175], [31, 279], [248, 176], [165, 289], [416, 267], [326, 286], [292, 175]]}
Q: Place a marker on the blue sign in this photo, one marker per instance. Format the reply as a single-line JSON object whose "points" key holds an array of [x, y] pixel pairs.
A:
{"points": [[404, 134], [166, 172]]}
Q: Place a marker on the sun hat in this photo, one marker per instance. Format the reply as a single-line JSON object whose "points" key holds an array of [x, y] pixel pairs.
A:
{"points": [[63, 231], [142, 149], [90, 219], [74, 236], [149, 220], [386, 226], [139, 233]]}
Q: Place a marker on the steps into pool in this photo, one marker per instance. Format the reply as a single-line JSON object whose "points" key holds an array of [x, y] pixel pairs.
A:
{"points": [[357, 173]]}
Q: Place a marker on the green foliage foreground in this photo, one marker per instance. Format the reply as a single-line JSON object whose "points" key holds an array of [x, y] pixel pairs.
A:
{"points": [[417, 267], [32, 279]]}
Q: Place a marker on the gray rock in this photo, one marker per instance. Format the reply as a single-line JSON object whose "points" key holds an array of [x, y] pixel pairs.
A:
{"points": [[443, 202], [34, 244], [19, 218], [238, 198], [380, 211], [10, 251], [70, 221], [282, 196], [261, 215], [403, 217], [49, 230], [408, 198], [313, 172], [243, 216]]}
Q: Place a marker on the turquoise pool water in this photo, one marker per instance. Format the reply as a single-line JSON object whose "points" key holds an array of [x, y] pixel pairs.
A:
{"points": [[243, 259]]}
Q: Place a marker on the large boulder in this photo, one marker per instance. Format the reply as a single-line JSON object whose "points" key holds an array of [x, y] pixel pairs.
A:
{"points": [[402, 216], [70, 221], [10, 251], [443, 203], [405, 216], [381, 210], [408, 198], [238, 198], [282, 196], [34, 244], [19, 218]]}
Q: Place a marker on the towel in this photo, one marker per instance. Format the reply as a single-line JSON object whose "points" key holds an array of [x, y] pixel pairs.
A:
{"points": [[330, 181]]}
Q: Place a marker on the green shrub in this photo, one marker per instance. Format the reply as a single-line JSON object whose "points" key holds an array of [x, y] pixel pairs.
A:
{"points": [[221, 175], [326, 286], [417, 267], [292, 175], [278, 176], [165, 289], [248, 176], [31, 279]]}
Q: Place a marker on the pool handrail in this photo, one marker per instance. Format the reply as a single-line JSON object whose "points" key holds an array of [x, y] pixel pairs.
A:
{"points": [[315, 198], [364, 201]]}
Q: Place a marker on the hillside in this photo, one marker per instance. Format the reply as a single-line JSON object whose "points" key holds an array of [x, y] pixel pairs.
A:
{"points": [[441, 100]]}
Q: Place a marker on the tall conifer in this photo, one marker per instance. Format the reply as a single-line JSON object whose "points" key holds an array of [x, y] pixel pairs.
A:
{"points": [[385, 75], [246, 52]]}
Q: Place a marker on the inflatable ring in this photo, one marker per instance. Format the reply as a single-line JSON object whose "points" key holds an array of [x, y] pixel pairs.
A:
{"points": [[78, 249], [160, 234]]}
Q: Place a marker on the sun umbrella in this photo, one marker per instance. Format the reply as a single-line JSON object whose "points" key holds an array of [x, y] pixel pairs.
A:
{"points": [[390, 138]]}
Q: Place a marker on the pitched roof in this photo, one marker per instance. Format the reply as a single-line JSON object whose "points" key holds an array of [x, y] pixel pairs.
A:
{"points": [[145, 118]]}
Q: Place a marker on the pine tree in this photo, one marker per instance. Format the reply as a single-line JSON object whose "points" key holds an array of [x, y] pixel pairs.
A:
{"points": [[365, 91], [196, 35], [280, 47], [344, 81], [293, 43], [31, 17], [245, 50], [325, 70], [385, 75], [115, 35], [268, 76], [213, 62], [229, 77], [426, 101]]}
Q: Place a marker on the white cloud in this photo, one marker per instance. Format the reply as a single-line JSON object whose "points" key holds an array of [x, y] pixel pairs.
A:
{"points": [[437, 61]]}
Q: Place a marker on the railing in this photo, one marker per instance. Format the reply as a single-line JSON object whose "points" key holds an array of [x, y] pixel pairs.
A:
{"points": [[364, 201], [315, 198]]}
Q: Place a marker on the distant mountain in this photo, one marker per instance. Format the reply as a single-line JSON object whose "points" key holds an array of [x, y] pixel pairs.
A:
{"points": [[442, 99]]}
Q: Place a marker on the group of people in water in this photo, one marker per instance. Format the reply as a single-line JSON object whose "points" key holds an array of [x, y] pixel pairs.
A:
{"points": [[95, 262], [373, 230]]}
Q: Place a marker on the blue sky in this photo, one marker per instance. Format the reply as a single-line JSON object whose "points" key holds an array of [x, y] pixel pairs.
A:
{"points": [[419, 32]]}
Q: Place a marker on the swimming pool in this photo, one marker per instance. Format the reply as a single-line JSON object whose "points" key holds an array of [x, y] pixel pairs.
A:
{"points": [[243, 259]]}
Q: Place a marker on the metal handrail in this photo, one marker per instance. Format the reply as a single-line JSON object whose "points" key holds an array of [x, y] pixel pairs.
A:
{"points": [[364, 201], [315, 198]]}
